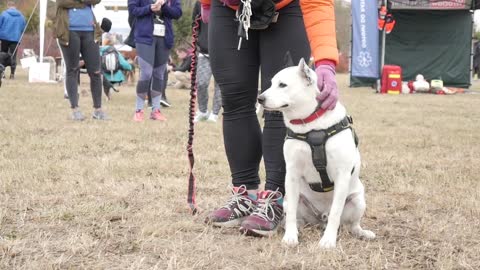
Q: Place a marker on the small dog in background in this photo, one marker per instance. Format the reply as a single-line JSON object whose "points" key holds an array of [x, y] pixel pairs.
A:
{"points": [[5, 61], [319, 145]]}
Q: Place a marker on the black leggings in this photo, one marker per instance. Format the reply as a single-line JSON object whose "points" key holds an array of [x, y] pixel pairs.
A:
{"points": [[237, 75], [82, 43]]}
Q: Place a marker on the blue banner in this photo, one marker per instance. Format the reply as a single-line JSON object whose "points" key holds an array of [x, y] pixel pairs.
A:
{"points": [[365, 37]]}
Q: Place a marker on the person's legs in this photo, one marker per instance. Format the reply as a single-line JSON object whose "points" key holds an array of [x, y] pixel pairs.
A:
{"points": [[237, 75], [274, 44], [91, 56], [217, 96], [12, 48], [182, 79], [185, 80], [145, 55], [3, 46], [64, 72], [159, 67], [275, 41], [164, 100], [204, 73], [71, 57]]}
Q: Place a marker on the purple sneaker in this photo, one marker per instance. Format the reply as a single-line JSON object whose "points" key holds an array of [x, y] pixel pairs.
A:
{"points": [[269, 213], [238, 207]]}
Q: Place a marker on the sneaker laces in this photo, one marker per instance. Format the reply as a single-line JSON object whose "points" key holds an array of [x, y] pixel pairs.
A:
{"points": [[237, 198], [265, 206]]}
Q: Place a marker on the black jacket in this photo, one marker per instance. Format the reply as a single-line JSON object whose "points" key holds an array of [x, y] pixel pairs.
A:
{"points": [[185, 65]]}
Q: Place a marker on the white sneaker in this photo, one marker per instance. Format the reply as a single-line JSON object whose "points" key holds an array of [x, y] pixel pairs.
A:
{"points": [[213, 118], [200, 116]]}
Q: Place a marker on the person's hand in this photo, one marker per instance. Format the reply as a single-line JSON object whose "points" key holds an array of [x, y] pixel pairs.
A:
{"points": [[205, 13], [157, 6], [327, 84]]}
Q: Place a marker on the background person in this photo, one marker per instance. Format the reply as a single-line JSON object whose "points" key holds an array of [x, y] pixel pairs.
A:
{"points": [[111, 77], [12, 24], [154, 38], [77, 33], [181, 72], [303, 28], [204, 74]]}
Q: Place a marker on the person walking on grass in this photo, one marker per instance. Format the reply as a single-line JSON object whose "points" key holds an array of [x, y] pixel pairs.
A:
{"points": [[204, 74], [12, 24], [154, 38], [78, 33]]}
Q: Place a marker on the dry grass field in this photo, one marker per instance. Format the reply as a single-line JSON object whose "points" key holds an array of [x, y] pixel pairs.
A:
{"points": [[112, 195]]}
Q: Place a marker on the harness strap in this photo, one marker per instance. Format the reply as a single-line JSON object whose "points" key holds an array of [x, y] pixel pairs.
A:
{"points": [[317, 140]]}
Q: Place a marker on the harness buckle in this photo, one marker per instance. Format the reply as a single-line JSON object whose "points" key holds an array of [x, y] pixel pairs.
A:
{"points": [[350, 119]]}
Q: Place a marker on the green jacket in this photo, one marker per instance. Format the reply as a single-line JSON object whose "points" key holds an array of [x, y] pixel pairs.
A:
{"points": [[61, 20]]}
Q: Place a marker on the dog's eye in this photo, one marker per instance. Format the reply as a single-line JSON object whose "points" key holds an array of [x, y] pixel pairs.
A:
{"points": [[282, 85]]}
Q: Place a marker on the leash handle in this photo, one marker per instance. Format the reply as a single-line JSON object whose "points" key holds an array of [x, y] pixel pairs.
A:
{"points": [[192, 187]]}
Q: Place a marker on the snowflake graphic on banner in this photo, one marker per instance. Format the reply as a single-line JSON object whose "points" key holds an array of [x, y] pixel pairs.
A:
{"points": [[364, 59]]}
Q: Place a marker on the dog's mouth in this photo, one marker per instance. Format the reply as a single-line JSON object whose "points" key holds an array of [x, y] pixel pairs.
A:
{"points": [[276, 108]]}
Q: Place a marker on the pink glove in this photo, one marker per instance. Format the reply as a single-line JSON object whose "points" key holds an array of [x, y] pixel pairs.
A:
{"points": [[327, 84], [205, 13]]}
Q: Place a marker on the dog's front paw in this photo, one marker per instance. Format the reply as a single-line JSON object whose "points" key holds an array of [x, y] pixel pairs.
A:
{"points": [[328, 241], [290, 239], [368, 235]]}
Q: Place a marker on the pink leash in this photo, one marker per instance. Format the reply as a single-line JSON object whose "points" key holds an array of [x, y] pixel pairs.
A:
{"points": [[192, 186]]}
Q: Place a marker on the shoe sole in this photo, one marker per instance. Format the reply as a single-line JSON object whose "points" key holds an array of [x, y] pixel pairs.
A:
{"points": [[199, 120], [257, 233], [228, 224], [165, 104], [154, 119]]}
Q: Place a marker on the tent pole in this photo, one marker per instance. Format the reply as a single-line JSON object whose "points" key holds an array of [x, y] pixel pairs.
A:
{"points": [[382, 58]]}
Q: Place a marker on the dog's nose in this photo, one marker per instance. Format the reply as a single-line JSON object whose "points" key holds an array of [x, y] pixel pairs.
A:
{"points": [[261, 99]]}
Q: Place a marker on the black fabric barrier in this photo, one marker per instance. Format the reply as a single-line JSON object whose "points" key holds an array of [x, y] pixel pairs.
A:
{"points": [[436, 44]]}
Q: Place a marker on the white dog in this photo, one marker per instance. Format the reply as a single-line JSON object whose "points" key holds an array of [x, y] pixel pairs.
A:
{"points": [[293, 92]]}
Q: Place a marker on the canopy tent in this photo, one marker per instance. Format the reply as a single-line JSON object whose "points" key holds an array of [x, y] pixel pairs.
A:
{"points": [[431, 37]]}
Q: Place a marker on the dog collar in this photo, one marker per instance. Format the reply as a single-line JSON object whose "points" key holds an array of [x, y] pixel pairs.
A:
{"points": [[316, 114]]}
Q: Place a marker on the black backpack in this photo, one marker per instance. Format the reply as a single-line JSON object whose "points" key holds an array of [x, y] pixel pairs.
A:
{"points": [[110, 62]]}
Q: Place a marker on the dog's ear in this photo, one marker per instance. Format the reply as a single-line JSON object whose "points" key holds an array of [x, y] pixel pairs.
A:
{"points": [[287, 59], [305, 71]]}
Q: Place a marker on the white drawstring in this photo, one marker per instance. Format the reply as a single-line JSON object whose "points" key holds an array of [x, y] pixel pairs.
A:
{"points": [[244, 17]]}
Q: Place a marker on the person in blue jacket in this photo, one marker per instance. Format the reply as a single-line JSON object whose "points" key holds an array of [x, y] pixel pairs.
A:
{"points": [[12, 24], [153, 34], [117, 77]]}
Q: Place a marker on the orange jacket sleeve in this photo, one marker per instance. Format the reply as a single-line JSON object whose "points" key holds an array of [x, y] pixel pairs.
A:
{"points": [[319, 19], [205, 2]]}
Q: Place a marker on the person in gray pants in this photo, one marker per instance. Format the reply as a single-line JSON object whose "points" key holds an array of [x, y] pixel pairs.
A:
{"points": [[204, 74]]}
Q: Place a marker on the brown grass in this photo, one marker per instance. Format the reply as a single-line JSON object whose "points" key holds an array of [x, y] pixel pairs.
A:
{"points": [[112, 195]]}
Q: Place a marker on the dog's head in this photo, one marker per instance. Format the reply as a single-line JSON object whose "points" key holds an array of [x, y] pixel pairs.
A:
{"points": [[293, 91]]}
